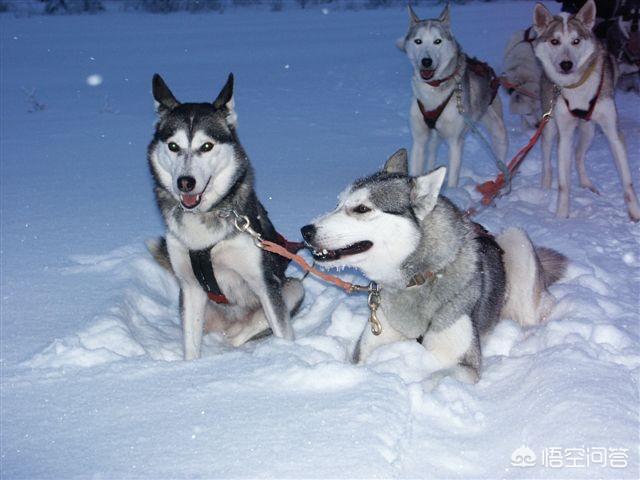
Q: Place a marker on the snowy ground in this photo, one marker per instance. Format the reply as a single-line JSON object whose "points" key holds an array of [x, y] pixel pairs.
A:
{"points": [[92, 381]]}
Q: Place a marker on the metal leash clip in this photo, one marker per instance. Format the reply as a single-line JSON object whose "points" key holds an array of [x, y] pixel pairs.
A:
{"points": [[373, 301], [243, 224]]}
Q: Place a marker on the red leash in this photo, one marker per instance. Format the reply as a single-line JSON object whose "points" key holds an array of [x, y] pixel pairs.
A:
{"points": [[491, 188]]}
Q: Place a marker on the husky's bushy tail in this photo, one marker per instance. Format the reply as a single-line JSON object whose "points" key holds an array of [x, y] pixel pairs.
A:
{"points": [[530, 271], [158, 249], [554, 264]]}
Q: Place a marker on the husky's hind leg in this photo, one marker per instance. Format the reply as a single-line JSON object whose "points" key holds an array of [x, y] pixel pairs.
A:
{"points": [[529, 271], [609, 126], [257, 325]]}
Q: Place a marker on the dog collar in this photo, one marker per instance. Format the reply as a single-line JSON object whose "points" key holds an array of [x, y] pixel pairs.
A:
{"points": [[420, 279], [585, 75], [437, 83]]}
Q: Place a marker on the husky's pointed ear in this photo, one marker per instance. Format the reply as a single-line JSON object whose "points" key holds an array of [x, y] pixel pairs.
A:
{"points": [[445, 17], [225, 101], [164, 99], [425, 190], [398, 163], [587, 14], [541, 18], [413, 18]]}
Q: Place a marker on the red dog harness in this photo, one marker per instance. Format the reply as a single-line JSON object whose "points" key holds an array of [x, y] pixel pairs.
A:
{"points": [[479, 68], [586, 114]]}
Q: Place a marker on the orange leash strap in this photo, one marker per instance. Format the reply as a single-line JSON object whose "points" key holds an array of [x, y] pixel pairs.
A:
{"points": [[283, 252], [504, 81], [491, 188]]}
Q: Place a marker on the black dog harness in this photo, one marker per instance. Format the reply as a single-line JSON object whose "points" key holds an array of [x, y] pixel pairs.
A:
{"points": [[203, 269]]}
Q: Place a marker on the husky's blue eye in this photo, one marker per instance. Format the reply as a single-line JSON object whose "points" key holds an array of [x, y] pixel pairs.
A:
{"points": [[437, 41], [173, 146], [206, 147], [418, 41], [361, 209]]}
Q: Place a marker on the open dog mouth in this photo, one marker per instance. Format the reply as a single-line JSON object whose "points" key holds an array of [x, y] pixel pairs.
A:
{"points": [[427, 74], [189, 202], [325, 255]]}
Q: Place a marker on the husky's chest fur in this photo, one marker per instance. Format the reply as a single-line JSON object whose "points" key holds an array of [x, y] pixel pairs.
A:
{"points": [[198, 231], [467, 277]]}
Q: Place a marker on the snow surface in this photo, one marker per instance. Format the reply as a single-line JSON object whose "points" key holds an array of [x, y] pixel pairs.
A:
{"points": [[93, 385]]}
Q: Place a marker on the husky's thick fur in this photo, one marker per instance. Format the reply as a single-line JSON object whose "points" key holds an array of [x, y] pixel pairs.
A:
{"points": [[202, 175], [577, 65], [443, 278], [522, 69], [439, 68]]}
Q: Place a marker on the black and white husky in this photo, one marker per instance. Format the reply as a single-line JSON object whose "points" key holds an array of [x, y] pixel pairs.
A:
{"points": [[203, 178], [581, 76], [446, 81], [443, 278]]}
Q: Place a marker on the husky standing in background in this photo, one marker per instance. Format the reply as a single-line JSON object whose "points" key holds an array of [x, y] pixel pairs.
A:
{"points": [[581, 76], [443, 77], [202, 179], [521, 68], [443, 278], [623, 42]]}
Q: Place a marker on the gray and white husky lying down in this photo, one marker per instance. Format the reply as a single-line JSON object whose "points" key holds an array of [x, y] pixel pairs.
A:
{"points": [[443, 278]]}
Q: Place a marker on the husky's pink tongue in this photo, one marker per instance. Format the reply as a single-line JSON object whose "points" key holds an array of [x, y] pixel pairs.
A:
{"points": [[189, 200]]}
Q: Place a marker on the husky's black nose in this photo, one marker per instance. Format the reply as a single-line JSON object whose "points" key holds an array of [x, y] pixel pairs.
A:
{"points": [[308, 232], [186, 184], [427, 62], [566, 65]]}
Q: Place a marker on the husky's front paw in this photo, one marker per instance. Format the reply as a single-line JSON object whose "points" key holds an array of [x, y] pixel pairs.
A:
{"points": [[632, 205], [588, 185]]}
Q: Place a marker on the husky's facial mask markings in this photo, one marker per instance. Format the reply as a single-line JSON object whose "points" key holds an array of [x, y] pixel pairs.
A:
{"points": [[429, 44], [442, 277], [566, 42], [202, 174], [353, 234], [192, 165]]}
